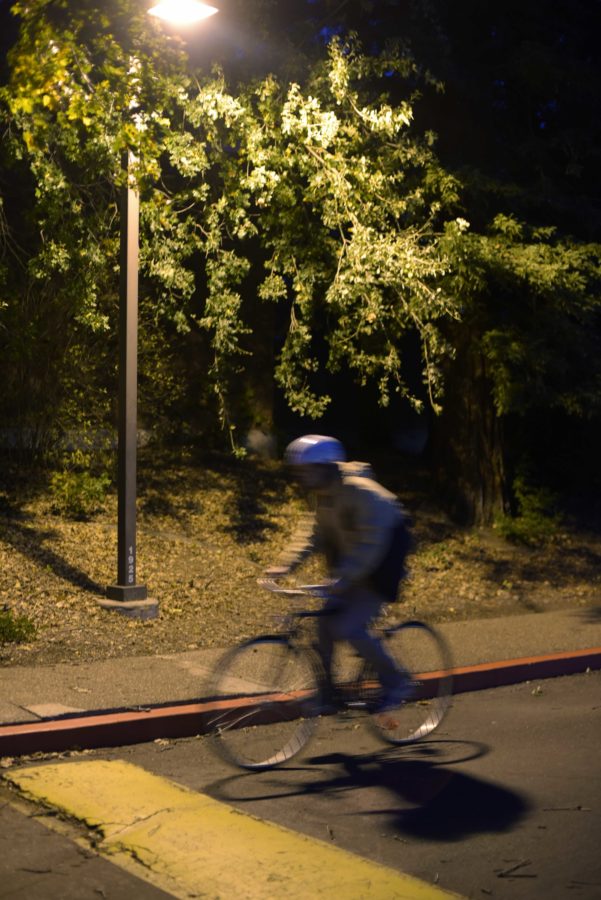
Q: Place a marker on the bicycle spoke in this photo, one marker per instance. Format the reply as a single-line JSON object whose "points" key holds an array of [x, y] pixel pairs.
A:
{"points": [[422, 652], [268, 694]]}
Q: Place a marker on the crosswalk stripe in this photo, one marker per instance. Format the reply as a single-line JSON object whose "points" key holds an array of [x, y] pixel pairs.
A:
{"points": [[201, 846]]}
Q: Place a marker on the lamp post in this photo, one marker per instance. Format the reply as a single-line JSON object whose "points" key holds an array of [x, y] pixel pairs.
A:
{"points": [[127, 596]]}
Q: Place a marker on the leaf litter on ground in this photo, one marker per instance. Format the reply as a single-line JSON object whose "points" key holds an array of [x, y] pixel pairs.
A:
{"points": [[205, 534]]}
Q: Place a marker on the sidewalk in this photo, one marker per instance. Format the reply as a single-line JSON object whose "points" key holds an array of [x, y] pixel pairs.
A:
{"points": [[486, 652]]}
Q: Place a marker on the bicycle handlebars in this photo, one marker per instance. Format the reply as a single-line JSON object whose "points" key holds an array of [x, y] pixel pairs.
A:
{"points": [[301, 590]]}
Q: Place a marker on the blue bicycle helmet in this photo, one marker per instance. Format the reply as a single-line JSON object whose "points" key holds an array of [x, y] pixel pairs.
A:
{"points": [[314, 449]]}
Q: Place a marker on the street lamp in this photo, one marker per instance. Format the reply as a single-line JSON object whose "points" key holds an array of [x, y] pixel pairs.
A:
{"points": [[182, 12], [127, 596]]}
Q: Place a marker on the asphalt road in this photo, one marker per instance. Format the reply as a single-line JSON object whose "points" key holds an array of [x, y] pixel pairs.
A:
{"points": [[505, 802]]}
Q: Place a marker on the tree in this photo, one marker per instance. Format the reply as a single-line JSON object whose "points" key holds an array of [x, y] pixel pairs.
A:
{"points": [[518, 127], [315, 203], [325, 187], [86, 82], [527, 345], [344, 202]]}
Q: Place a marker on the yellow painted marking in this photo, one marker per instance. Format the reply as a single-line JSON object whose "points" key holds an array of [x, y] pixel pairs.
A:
{"points": [[204, 847]]}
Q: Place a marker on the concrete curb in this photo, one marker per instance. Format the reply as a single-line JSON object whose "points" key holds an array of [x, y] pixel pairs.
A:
{"points": [[116, 728]]}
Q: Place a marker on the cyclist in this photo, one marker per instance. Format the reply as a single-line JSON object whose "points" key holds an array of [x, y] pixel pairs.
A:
{"points": [[362, 530]]}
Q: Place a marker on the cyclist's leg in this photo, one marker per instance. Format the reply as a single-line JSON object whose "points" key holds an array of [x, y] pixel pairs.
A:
{"points": [[381, 587], [360, 606], [326, 637]]}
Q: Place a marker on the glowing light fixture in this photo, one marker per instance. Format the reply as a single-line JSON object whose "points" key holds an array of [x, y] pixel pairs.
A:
{"points": [[182, 12]]}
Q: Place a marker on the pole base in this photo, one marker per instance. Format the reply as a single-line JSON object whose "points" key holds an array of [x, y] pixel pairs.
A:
{"points": [[126, 592], [131, 601]]}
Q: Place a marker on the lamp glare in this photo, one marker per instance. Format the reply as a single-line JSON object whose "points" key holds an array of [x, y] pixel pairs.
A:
{"points": [[182, 12]]}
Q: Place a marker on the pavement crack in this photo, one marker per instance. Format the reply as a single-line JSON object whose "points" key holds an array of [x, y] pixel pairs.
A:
{"points": [[139, 820], [577, 808], [513, 871], [35, 870], [141, 855]]}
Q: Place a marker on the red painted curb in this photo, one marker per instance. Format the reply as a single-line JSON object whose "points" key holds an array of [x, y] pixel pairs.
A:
{"points": [[114, 729], [514, 671]]}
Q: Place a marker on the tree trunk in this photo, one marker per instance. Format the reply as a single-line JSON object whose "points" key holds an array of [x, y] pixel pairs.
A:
{"points": [[467, 444]]}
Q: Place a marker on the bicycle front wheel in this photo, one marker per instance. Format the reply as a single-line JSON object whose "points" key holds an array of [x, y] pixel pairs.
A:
{"points": [[267, 697], [423, 653]]}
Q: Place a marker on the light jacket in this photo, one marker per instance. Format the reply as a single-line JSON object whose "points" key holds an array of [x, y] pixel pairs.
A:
{"points": [[352, 525]]}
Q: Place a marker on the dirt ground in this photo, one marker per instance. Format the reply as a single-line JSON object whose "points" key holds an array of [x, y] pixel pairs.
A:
{"points": [[205, 533]]}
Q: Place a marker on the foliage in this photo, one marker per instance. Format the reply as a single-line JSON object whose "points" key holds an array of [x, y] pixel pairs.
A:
{"points": [[79, 484], [536, 520], [79, 95], [77, 495], [530, 299], [15, 629], [326, 188], [317, 197], [344, 200]]}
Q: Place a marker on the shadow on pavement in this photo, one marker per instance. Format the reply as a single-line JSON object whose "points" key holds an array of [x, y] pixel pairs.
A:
{"points": [[592, 614], [462, 805], [426, 798], [438, 803]]}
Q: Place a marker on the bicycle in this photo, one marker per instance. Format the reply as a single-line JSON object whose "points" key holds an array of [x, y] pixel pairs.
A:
{"points": [[268, 692]]}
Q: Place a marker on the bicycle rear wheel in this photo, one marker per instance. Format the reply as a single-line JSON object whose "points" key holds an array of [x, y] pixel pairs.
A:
{"points": [[267, 695], [423, 653]]}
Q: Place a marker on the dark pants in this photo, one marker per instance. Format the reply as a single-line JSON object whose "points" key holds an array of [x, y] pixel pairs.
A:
{"points": [[352, 612]]}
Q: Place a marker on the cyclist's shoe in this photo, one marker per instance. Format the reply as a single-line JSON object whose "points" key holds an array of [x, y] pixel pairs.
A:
{"points": [[396, 696], [327, 709], [330, 701]]}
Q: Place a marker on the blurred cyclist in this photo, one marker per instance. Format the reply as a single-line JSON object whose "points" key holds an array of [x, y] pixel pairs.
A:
{"points": [[362, 530]]}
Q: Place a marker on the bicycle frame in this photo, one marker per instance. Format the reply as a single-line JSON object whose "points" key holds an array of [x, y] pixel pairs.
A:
{"points": [[272, 689]]}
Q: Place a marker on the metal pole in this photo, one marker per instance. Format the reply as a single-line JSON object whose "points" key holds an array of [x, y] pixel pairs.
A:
{"points": [[126, 588]]}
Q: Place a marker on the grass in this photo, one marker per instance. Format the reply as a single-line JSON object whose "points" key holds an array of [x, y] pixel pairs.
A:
{"points": [[15, 629]]}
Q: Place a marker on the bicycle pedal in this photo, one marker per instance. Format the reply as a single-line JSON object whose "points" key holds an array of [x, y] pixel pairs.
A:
{"points": [[356, 704]]}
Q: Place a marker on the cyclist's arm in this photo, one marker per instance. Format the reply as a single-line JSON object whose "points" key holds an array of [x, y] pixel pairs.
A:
{"points": [[303, 543]]}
